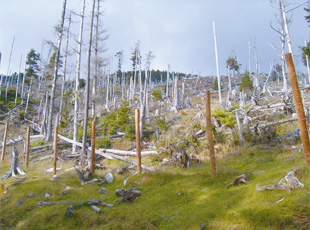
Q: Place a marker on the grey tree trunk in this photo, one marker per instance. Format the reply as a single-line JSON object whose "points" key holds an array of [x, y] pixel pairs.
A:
{"points": [[167, 88], [88, 79], [217, 65], [77, 78], [65, 69], [53, 90], [28, 97], [23, 85], [6, 79], [17, 84], [286, 26]]}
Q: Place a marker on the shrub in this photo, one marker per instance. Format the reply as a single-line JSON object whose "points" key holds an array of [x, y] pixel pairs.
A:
{"points": [[226, 117]]}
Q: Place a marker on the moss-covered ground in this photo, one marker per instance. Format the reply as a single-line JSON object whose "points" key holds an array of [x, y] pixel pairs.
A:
{"points": [[171, 198]]}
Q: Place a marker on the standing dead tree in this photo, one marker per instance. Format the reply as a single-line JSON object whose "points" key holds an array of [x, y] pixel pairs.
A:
{"points": [[57, 58], [77, 79], [88, 78]]}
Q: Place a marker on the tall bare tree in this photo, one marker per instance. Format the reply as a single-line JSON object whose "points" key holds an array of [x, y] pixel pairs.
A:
{"points": [[77, 79], [53, 90], [88, 78]]}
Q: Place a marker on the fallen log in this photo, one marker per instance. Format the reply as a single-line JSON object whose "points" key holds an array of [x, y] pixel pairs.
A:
{"points": [[238, 180], [129, 161], [127, 153], [287, 183], [109, 156], [275, 123]]}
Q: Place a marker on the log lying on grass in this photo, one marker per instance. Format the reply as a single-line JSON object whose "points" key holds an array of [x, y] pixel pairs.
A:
{"points": [[238, 180], [287, 183], [109, 156]]}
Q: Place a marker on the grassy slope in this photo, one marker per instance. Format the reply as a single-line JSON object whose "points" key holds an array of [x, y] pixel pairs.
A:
{"points": [[172, 198]]}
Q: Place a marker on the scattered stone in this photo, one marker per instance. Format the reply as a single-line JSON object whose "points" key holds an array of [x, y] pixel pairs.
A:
{"points": [[55, 178], [52, 169], [103, 191], [203, 227], [123, 169], [67, 187], [109, 177], [31, 195], [64, 192], [179, 194], [20, 203], [70, 212], [47, 195], [127, 194]]}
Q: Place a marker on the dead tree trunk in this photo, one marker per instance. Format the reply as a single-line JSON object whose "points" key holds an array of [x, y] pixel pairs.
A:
{"points": [[65, 69], [210, 134], [55, 74], [138, 141], [299, 108], [4, 141], [77, 80], [15, 168], [17, 83], [88, 78], [217, 65]]}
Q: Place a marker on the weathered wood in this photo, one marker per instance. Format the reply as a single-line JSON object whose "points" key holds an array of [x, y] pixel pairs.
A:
{"points": [[27, 147], [238, 180], [55, 150], [275, 123], [299, 107], [137, 119], [4, 140], [93, 148], [15, 168], [210, 134], [128, 153], [108, 156]]}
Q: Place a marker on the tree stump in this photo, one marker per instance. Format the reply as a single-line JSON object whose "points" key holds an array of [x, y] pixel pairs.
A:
{"points": [[15, 168]]}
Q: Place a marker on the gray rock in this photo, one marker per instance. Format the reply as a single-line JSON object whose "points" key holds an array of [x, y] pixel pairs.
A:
{"points": [[20, 203], [109, 177], [103, 191], [55, 178]]}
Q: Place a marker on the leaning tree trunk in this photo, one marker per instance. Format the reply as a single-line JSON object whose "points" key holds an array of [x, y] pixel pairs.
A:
{"points": [[88, 79], [65, 69], [53, 90], [77, 79]]}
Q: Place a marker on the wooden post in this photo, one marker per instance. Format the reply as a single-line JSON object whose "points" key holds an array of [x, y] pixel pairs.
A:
{"points": [[55, 147], [93, 147], [4, 141], [210, 134], [27, 147], [138, 141], [299, 107]]}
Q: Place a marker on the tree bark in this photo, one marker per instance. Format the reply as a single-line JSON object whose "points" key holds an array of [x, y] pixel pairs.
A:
{"points": [[65, 69], [77, 79], [88, 79], [55, 74]]}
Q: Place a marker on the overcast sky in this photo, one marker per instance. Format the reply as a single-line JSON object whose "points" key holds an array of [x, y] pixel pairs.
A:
{"points": [[178, 32]]}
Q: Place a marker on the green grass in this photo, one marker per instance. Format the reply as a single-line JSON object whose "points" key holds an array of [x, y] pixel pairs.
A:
{"points": [[172, 198]]}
